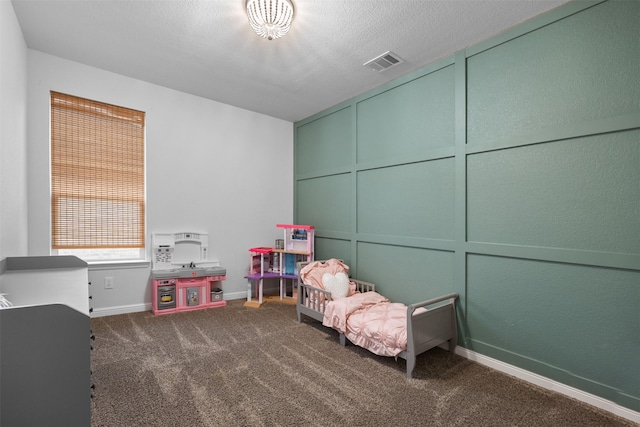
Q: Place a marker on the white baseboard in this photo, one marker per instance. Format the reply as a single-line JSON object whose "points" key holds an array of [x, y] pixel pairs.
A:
{"points": [[235, 295], [550, 384], [123, 309]]}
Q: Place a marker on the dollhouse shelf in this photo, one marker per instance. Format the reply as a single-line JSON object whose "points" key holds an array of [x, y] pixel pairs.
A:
{"points": [[279, 264]]}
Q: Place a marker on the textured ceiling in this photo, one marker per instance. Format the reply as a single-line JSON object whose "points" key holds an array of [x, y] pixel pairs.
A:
{"points": [[207, 48]]}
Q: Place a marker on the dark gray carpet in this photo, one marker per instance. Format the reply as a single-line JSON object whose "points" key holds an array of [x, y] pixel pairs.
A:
{"points": [[238, 366]]}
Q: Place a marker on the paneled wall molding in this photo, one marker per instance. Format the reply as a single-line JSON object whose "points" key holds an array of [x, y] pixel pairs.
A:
{"points": [[435, 154], [336, 235], [324, 173], [432, 154], [460, 185], [560, 133], [559, 255], [508, 172], [400, 81], [407, 242], [532, 25], [353, 103]]}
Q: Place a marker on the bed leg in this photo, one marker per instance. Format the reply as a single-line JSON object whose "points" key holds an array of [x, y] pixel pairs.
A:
{"points": [[453, 342], [452, 345], [411, 363], [299, 318], [343, 340]]}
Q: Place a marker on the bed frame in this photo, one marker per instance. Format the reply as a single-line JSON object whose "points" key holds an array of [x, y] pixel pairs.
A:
{"points": [[435, 327]]}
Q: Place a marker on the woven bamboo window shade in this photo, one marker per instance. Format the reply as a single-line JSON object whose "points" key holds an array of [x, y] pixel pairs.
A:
{"points": [[97, 174]]}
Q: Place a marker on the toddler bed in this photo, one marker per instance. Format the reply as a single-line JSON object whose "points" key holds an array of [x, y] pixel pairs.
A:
{"points": [[368, 319]]}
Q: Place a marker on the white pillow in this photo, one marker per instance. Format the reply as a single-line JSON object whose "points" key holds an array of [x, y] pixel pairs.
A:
{"points": [[337, 284]]}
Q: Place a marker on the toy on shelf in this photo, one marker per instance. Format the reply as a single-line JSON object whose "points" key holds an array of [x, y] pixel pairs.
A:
{"points": [[261, 259], [279, 262]]}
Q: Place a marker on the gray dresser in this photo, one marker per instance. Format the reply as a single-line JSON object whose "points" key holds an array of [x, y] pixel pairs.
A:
{"points": [[45, 342]]}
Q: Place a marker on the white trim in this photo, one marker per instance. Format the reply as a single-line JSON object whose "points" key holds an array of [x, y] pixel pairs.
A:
{"points": [[121, 264], [123, 309], [235, 295], [550, 384]]}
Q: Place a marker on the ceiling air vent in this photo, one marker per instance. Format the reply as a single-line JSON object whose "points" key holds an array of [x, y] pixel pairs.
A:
{"points": [[383, 62]]}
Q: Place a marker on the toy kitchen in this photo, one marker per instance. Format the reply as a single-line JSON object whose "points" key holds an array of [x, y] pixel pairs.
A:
{"points": [[183, 277]]}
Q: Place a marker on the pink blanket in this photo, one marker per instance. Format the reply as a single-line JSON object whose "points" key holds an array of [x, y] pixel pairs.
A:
{"points": [[371, 321]]}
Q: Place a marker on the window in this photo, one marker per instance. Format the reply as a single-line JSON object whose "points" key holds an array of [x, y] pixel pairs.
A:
{"points": [[97, 179]]}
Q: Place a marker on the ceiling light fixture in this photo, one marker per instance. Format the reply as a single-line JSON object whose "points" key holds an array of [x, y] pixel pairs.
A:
{"points": [[271, 19]]}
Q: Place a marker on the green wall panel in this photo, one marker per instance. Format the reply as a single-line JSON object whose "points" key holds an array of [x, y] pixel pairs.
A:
{"points": [[333, 248], [536, 216], [409, 119], [324, 143], [413, 200], [566, 318], [579, 69], [325, 202], [581, 194], [404, 274]]}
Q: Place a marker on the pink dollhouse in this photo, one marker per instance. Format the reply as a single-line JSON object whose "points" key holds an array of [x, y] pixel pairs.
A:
{"points": [[279, 263]]}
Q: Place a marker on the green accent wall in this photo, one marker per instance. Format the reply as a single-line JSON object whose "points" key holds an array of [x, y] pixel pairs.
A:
{"points": [[510, 173]]}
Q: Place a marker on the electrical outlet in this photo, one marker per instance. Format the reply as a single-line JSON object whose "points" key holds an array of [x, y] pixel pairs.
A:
{"points": [[108, 282]]}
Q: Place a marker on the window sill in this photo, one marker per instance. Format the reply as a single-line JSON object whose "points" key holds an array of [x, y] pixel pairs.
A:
{"points": [[118, 264]]}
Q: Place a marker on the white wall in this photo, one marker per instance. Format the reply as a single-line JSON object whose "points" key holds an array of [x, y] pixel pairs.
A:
{"points": [[211, 168], [13, 135]]}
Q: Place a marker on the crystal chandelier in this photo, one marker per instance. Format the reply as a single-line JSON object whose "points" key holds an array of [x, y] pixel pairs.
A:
{"points": [[271, 19]]}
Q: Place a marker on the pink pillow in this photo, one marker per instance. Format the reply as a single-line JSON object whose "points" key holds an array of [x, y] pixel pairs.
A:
{"points": [[312, 273]]}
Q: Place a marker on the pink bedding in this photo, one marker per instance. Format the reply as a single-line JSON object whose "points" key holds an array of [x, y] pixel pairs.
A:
{"points": [[371, 321]]}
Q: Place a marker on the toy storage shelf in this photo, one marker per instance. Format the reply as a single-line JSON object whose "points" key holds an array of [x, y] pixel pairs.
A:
{"points": [[188, 293], [279, 263]]}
